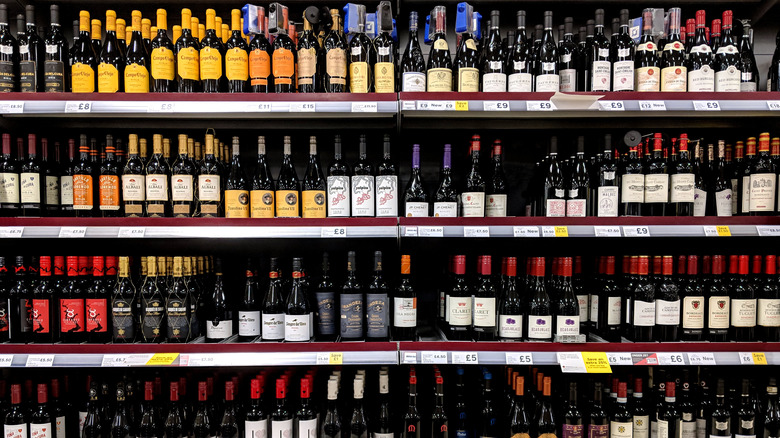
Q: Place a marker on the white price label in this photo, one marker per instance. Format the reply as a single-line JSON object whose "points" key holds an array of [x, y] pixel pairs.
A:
{"points": [[670, 359], [430, 231], [519, 359], [746, 359], [203, 360], [465, 358], [12, 107], [73, 232], [40, 360], [571, 363], [302, 107], [652, 105], [634, 231], [333, 232], [701, 359], [434, 357], [410, 231], [620, 359], [323, 358], [539, 105], [611, 105], [78, 107], [602, 231], [161, 107], [258, 107], [364, 107], [765, 230], [526, 231], [490, 105], [6, 360], [409, 357], [114, 360], [706, 105], [131, 232], [773, 105], [11, 232], [408, 105], [476, 231], [435, 105]]}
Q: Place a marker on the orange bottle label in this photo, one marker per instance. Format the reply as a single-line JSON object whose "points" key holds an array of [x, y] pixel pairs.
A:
{"points": [[109, 192], [82, 192], [108, 78], [259, 67], [83, 78], [284, 66], [287, 203], [236, 203], [188, 64], [136, 79], [210, 63], [262, 202], [314, 203], [162, 64], [237, 64]]}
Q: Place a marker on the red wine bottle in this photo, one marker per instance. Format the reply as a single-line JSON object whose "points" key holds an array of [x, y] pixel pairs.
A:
{"points": [[728, 75]]}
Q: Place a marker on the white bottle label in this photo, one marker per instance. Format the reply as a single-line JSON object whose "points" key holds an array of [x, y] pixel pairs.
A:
{"points": [[473, 204], [460, 311], [82, 419], [41, 430], [539, 326], [181, 187], [510, 326], [157, 188], [614, 310], [699, 202], [296, 328], [584, 304], [663, 429], [641, 428], [608, 201], [644, 313], [674, 78], [688, 429], [762, 192], [620, 430], [416, 209], [363, 196], [555, 208], [575, 208], [338, 196], [568, 80], [249, 323], [701, 428], [769, 312], [387, 196], [307, 428], [623, 76], [413, 81], [702, 79], [693, 312], [133, 188], [548, 82], [745, 194], [59, 427], [734, 195], [484, 312], [724, 202], [52, 190], [748, 85], [9, 188], [593, 315], [682, 187], [656, 188], [520, 82], [494, 82], [719, 308], [445, 209], [743, 313], [601, 75], [15, 431], [667, 312], [281, 429], [66, 190], [31, 188], [221, 330], [728, 80], [496, 206], [404, 312], [567, 325], [273, 326], [648, 79], [256, 429], [632, 188]]}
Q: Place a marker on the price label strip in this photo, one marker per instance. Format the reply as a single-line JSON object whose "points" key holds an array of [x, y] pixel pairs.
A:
{"points": [[161, 107], [302, 107], [611, 105], [701, 358], [12, 107], [620, 359], [409, 357], [11, 232], [465, 358], [706, 105], [571, 362], [40, 361], [73, 232], [125, 360], [461, 105], [430, 231], [330, 358], [131, 232], [557, 231], [364, 107], [670, 358], [6, 360], [333, 232], [752, 359], [768, 231], [652, 105], [717, 230], [476, 231], [773, 105], [436, 105], [490, 105], [408, 105], [434, 357], [162, 359], [519, 359], [258, 107], [602, 231], [78, 107], [641, 231], [539, 105], [526, 231]]}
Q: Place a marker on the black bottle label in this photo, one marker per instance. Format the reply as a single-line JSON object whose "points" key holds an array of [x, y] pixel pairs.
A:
{"points": [[27, 79], [54, 76], [177, 310], [7, 78], [122, 318], [326, 307], [152, 313], [351, 315], [377, 315], [25, 310]]}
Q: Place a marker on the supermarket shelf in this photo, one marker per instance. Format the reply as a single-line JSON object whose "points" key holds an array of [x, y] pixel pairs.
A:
{"points": [[590, 227], [208, 228]]}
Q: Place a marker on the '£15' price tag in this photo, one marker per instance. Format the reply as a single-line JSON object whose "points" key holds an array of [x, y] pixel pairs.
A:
{"points": [[302, 107]]}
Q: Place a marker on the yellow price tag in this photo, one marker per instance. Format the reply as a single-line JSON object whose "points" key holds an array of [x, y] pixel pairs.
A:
{"points": [[160, 359], [759, 359], [336, 358], [723, 230], [596, 362], [561, 231], [461, 105]]}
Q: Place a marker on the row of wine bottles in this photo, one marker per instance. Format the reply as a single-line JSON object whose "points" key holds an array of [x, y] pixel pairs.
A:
{"points": [[177, 299], [424, 401]]}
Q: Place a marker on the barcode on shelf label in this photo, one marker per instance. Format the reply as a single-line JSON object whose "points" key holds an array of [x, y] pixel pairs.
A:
{"points": [[70, 232], [620, 359], [519, 359], [40, 360], [636, 231], [6, 360], [364, 107], [490, 105], [161, 107], [611, 105], [717, 230], [652, 105], [258, 107], [12, 107], [410, 231], [752, 359], [131, 232], [333, 232], [408, 105], [465, 358], [765, 230], [409, 357], [461, 105], [526, 231], [701, 359], [773, 105], [11, 232], [476, 231], [78, 107], [436, 105], [602, 231], [430, 231], [670, 359], [302, 107], [706, 105], [434, 357], [539, 105], [557, 231]]}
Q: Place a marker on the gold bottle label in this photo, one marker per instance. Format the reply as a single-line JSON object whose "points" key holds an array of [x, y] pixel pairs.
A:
{"points": [[336, 66], [313, 203], [262, 202], [358, 77], [439, 79], [236, 203], [108, 78], [210, 63], [283, 66], [136, 79], [307, 66], [162, 64], [287, 203], [188, 63], [237, 64], [259, 67], [83, 78], [384, 77]]}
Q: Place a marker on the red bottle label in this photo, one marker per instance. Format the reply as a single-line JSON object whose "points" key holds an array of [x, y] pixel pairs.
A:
{"points": [[96, 315], [40, 316], [71, 315]]}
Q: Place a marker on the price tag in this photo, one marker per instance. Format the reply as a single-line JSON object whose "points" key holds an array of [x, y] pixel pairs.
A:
{"points": [[435, 357], [409, 357], [461, 105], [73, 232], [78, 107], [596, 362], [302, 107], [476, 231], [759, 359], [333, 232], [6, 360], [706, 105], [559, 231], [490, 105], [601, 231], [364, 107], [201, 360], [114, 360], [519, 359], [766, 230], [131, 232], [323, 358], [701, 358], [40, 361], [408, 105], [539, 105], [611, 105], [720, 230], [161, 107], [258, 107], [620, 359], [12, 107], [435, 105], [640, 231], [465, 358], [773, 105], [752, 358], [160, 359], [571, 362], [430, 231], [670, 359], [410, 231], [11, 232], [335, 358], [526, 231], [652, 105]]}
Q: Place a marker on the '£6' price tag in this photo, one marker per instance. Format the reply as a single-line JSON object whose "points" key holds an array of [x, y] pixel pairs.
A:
{"points": [[670, 359]]}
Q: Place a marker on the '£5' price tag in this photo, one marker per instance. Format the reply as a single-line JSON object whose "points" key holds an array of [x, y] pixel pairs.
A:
{"points": [[465, 358]]}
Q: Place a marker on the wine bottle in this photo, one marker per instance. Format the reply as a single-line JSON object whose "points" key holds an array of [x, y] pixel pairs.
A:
{"points": [[335, 47], [405, 305], [351, 299], [209, 182], [262, 193], [297, 311], [157, 181], [358, 426], [518, 65], [599, 59], [412, 63], [281, 417], [339, 190], [493, 68], [768, 294], [314, 185], [363, 183], [770, 411], [123, 305], [378, 308], [568, 60], [31, 56], [720, 425], [673, 71], [743, 305], [722, 188], [255, 418], [137, 60], [598, 421], [55, 55], [572, 420], [9, 77], [305, 422], [228, 424], [567, 313], [260, 52], [540, 308], [108, 182], [212, 57], [546, 425], [324, 296], [411, 417], [202, 425], [178, 309], [133, 181], [162, 57], [610, 304], [71, 306], [182, 175], [644, 304], [622, 57], [236, 187], [236, 56], [284, 57], [44, 305], [415, 197], [83, 181], [656, 181], [473, 196], [273, 307], [546, 60], [763, 184], [9, 180], [331, 420], [152, 305], [96, 304], [445, 202], [439, 69], [667, 305], [683, 178], [111, 63], [459, 308], [701, 76], [385, 50], [554, 196], [362, 55], [646, 62], [219, 317], [32, 189], [187, 48], [510, 307], [578, 203], [249, 320], [287, 193], [496, 205], [728, 75], [669, 420]]}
